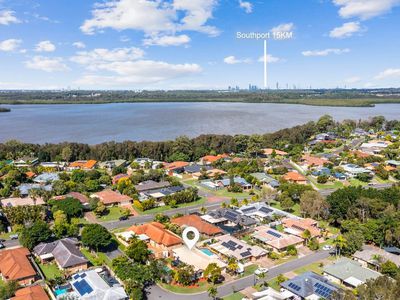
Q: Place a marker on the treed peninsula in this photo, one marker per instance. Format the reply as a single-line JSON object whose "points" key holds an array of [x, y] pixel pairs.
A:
{"points": [[315, 97]]}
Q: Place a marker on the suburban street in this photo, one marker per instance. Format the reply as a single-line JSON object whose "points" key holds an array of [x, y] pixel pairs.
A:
{"points": [[156, 292]]}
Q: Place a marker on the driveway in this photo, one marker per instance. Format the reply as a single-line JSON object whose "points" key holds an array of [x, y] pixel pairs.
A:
{"points": [[157, 293]]}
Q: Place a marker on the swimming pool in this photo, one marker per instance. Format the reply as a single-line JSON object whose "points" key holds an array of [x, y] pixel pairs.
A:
{"points": [[59, 292], [207, 252]]}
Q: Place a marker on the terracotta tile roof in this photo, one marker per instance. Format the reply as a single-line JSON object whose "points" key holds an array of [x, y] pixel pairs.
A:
{"points": [[83, 164], [111, 197], [313, 160], [198, 223], [301, 225], [31, 293], [30, 174], [157, 233], [213, 158], [176, 165], [81, 197], [15, 265], [294, 176], [360, 154], [269, 151]]}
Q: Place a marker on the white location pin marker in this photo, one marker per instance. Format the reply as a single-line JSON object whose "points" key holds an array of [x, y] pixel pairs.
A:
{"points": [[190, 242]]}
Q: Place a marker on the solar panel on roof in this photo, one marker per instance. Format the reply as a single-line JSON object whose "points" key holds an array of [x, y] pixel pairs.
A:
{"points": [[83, 275], [273, 233], [266, 210], [294, 286], [246, 253], [240, 247], [246, 210]]}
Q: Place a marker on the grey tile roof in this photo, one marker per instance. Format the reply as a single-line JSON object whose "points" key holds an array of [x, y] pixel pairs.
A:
{"points": [[151, 185], [310, 283], [65, 252]]}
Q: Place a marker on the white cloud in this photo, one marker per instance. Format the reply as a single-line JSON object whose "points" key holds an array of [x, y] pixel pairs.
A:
{"points": [[388, 73], [101, 55], [247, 6], [325, 52], [285, 27], [45, 46], [271, 59], [152, 17], [127, 66], [346, 30], [10, 45], [364, 9], [232, 60], [79, 45], [7, 17], [354, 79], [167, 40], [46, 64]]}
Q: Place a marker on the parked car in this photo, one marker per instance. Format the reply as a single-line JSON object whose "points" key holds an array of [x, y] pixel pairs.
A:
{"points": [[123, 218], [2, 246], [260, 271], [327, 247], [14, 237]]}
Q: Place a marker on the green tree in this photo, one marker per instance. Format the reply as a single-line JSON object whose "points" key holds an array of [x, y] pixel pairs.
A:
{"points": [[138, 251], [70, 206], [101, 209], [184, 274], [35, 234], [340, 243], [212, 292], [389, 268], [96, 237], [8, 289], [212, 273], [61, 225]]}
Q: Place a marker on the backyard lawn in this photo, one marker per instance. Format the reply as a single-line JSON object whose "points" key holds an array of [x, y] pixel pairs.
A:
{"points": [[50, 270], [295, 208], [97, 259], [356, 182]]}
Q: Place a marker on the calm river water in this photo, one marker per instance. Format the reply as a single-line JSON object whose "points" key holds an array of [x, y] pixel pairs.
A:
{"points": [[96, 123]]}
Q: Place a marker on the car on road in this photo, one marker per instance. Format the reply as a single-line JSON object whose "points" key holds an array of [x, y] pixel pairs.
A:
{"points": [[260, 271], [14, 237], [327, 247], [123, 218], [2, 246]]}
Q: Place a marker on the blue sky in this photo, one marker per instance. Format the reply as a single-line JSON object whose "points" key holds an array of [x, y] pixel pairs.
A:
{"points": [[192, 44]]}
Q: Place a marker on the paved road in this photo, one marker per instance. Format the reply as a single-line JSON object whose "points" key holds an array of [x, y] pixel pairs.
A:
{"points": [[11, 243], [146, 218], [157, 293]]}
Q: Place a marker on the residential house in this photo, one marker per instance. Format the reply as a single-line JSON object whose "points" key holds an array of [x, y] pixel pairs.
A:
{"points": [[195, 221], [160, 193], [83, 165], [372, 256], [210, 159], [224, 216], [309, 161], [90, 285], [111, 164], [64, 252], [25, 162], [261, 211], [54, 165], [274, 239], [297, 226], [34, 292], [46, 178], [151, 185], [161, 240], [176, 168], [295, 177], [223, 183], [16, 201], [15, 264], [353, 170], [110, 197], [374, 147], [393, 163], [266, 180], [349, 272], [81, 197], [26, 187], [229, 246], [269, 151], [310, 286]]}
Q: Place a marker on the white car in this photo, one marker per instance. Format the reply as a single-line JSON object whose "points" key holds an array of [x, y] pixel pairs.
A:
{"points": [[260, 271], [327, 247]]}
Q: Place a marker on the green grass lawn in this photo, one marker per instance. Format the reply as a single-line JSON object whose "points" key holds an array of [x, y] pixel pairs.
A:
{"points": [[165, 208], [249, 270], [356, 182], [97, 259], [314, 267], [235, 296], [203, 286], [114, 213], [273, 283], [295, 208], [50, 270]]}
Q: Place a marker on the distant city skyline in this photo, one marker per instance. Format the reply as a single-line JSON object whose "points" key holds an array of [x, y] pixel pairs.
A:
{"points": [[193, 44]]}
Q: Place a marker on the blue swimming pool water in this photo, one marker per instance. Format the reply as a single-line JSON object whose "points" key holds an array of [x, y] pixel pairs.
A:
{"points": [[207, 252], [60, 292]]}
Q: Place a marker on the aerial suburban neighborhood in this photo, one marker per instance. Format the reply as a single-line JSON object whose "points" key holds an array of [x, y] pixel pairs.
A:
{"points": [[314, 217]]}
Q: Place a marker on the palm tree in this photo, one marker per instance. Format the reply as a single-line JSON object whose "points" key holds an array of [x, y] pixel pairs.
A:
{"points": [[212, 292], [340, 242], [306, 235], [203, 210]]}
